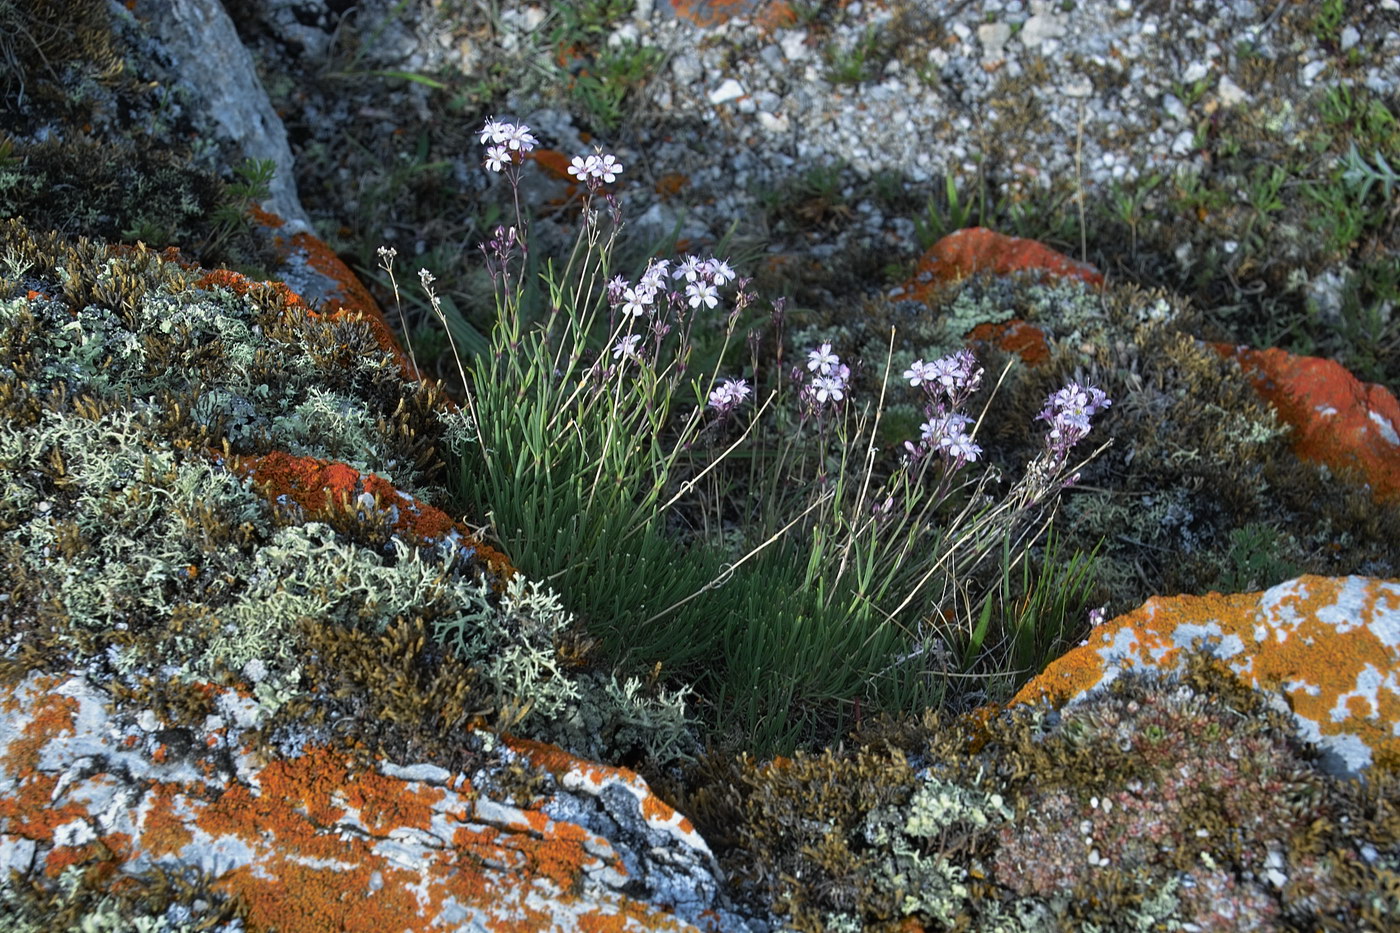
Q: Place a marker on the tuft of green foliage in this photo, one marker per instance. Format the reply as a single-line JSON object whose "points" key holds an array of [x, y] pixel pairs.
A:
{"points": [[855, 64], [749, 556], [604, 77]]}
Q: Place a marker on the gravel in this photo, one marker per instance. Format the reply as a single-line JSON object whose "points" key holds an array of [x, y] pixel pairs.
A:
{"points": [[1040, 97]]}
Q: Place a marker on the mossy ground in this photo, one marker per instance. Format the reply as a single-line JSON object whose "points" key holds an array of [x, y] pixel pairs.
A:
{"points": [[986, 824], [1232, 509]]}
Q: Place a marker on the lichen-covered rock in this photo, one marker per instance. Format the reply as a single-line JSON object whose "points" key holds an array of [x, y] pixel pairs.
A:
{"points": [[222, 504], [319, 842], [976, 249], [211, 64], [1328, 648], [1165, 801], [1337, 419]]}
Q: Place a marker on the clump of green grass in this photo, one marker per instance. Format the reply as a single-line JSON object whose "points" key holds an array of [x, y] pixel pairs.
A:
{"points": [[743, 534]]}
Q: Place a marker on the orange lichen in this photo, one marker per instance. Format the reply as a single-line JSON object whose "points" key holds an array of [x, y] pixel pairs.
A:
{"points": [[775, 15], [314, 829], [319, 486], [347, 298], [381, 812], [104, 854], [240, 284], [556, 761], [1288, 645], [1337, 419], [50, 719], [977, 250], [670, 184], [554, 163], [289, 824], [767, 15], [1025, 340]]}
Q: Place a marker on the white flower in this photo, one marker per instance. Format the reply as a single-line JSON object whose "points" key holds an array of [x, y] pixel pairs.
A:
{"points": [[636, 300], [690, 267], [824, 387], [582, 166], [520, 137], [607, 168], [702, 293], [942, 427], [627, 346], [494, 131], [822, 360], [729, 394], [962, 448], [497, 158], [720, 272], [920, 372], [655, 276]]}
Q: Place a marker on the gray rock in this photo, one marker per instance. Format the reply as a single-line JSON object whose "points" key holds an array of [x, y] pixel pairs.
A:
{"points": [[212, 63]]}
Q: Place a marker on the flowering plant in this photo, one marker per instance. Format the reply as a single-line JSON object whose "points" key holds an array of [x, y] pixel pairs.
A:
{"points": [[730, 523]]}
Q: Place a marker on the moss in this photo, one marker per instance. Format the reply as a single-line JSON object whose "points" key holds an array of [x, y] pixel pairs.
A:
{"points": [[49, 44], [1154, 803], [102, 142], [1196, 455], [80, 901], [133, 548], [109, 191], [793, 830]]}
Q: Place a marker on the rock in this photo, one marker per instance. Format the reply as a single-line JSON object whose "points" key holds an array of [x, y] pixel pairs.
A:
{"points": [[767, 15], [300, 825], [318, 842], [1328, 648], [728, 90], [1230, 93], [1338, 420], [994, 37], [210, 60], [976, 250], [1043, 25], [1025, 340]]}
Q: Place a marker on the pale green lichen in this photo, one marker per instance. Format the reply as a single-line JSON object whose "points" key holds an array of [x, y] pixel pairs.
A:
{"points": [[932, 885], [93, 351], [609, 717], [120, 532], [91, 911], [971, 308]]}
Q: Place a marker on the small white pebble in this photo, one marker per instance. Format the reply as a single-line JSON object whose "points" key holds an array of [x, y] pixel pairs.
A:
{"points": [[728, 90]]}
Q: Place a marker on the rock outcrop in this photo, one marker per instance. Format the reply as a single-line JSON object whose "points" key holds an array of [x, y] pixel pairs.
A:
{"points": [[532, 840], [1326, 649], [178, 702], [258, 672]]}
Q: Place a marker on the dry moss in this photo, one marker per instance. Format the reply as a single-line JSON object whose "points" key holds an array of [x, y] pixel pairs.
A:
{"points": [[1197, 799]]}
